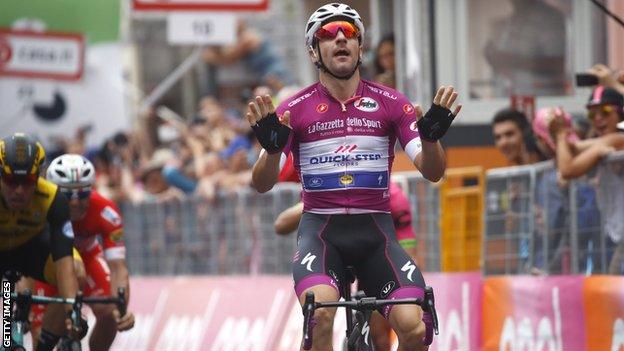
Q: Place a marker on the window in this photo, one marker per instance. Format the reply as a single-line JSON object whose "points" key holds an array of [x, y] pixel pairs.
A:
{"points": [[519, 47]]}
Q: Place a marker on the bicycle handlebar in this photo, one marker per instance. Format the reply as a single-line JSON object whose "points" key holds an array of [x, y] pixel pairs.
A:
{"points": [[46, 300], [430, 317]]}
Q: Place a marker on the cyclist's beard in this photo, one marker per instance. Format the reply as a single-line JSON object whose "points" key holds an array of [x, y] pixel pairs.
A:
{"points": [[340, 75]]}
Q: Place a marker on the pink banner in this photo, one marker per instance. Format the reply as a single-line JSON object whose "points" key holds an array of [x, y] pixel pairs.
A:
{"points": [[458, 303], [261, 313], [533, 313], [216, 313]]}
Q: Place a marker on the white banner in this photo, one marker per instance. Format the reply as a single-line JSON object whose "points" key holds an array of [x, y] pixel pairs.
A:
{"points": [[201, 28], [49, 108], [41, 55]]}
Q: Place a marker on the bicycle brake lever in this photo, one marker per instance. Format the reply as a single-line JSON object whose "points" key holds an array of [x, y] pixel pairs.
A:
{"points": [[121, 301], [430, 302], [308, 320]]}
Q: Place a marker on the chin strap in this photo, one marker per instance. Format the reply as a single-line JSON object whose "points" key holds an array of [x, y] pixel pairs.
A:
{"points": [[321, 66]]}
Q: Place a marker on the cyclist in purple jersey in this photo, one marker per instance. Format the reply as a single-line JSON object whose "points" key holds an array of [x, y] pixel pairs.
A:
{"points": [[342, 132]]}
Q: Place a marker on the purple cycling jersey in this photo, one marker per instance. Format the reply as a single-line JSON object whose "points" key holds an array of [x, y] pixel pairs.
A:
{"points": [[344, 151]]}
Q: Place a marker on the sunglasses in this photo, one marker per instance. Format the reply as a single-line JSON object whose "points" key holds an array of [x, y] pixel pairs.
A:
{"points": [[603, 110], [80, 194], [331, 29], [13, 180]]}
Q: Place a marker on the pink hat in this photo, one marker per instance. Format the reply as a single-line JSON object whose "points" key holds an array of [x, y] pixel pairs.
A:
{"points": [[543, 118]]}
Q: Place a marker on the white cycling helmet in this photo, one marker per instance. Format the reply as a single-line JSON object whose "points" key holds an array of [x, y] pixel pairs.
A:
{"points": [[325, 12], [71, 171]]}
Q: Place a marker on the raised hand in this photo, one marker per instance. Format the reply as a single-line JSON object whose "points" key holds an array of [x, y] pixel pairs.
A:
{"points": [[436, 122], [271, 131]]}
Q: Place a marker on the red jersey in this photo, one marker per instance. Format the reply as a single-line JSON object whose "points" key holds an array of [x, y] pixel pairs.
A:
{"points": [[102, 219]]}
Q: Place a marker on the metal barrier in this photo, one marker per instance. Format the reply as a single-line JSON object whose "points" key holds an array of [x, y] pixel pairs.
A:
{"points": [[536, 224], [235, 233], [532, 225]]}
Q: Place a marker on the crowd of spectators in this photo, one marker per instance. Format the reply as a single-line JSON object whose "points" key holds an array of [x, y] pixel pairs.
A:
{"points": [[575, 146], [168, 157]]}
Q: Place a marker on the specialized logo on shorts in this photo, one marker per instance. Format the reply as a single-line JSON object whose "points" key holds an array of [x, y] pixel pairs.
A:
{"points": [[116, 235], [387, 288], [409, 267], [68, 230], [346, 179], [366, 104], [365, 331], [109, 214], [322, 108], [334, 275], [408, 109], [414, 126], [307, 261]]}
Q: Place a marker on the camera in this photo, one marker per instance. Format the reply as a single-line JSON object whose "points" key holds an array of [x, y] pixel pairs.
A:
{"points": [[586, 80]]}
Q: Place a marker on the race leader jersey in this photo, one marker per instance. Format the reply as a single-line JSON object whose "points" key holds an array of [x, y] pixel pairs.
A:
{"points": [[102, 219], [344, 151]]}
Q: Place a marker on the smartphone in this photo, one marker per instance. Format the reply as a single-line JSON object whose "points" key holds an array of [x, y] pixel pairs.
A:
{"points": [[586, 80]]}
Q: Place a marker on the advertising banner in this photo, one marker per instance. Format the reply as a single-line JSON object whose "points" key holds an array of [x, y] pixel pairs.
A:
{"points": [[41, 55], [200, 5], [261, 313], [603, 301], [208, 313], [458, 303], [533, 313]]}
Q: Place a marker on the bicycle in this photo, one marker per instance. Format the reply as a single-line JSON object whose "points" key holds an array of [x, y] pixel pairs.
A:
{"points": [[357, 334], [24, 300]]}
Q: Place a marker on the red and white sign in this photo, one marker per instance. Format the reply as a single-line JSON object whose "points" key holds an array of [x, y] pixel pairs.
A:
{"points": [[48, 55], [200, 5]]}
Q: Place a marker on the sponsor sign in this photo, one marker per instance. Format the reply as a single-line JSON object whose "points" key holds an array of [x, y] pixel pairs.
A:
{"points": [[57, 56], [603, 302], [200, 5], [458, 299], [261, 313], [533, 313]]}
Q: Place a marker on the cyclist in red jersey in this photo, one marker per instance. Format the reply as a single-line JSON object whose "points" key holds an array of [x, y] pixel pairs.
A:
{"points": [[342, 131], [93, 216]]}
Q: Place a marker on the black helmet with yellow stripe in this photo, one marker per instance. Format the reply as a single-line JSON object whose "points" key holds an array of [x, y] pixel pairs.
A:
{"points": [[21, 156]]}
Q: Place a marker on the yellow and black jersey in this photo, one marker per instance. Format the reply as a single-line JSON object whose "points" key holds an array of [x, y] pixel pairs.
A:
{"points": [[48, 211]]}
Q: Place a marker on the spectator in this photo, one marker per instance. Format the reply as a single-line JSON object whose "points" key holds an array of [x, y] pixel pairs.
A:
{"points": [[154, 187], [256, 52], [552, 198], [513, 137], [385, 62], [605, 111]]}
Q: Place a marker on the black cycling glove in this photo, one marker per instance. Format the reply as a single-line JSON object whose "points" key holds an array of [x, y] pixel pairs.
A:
{"points": [[271, 134], [435, 123]]}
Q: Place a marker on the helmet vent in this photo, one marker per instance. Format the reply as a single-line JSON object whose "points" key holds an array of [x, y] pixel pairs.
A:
{"points": [[60, 173], [86, 172]]}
